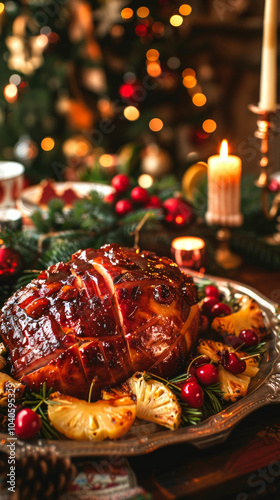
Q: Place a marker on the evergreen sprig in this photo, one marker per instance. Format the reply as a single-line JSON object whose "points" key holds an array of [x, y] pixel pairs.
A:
{"points": [[257, 350], [38, 402]]}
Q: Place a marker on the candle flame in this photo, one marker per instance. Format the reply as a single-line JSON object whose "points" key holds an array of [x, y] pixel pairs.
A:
{"points": [[224, 150]]}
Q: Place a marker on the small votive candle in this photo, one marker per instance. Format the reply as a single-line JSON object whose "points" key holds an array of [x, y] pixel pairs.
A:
{"points": [[189, 251]]}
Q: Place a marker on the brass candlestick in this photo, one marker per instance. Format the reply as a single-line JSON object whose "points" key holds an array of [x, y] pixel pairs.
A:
{"points": [[224, 256], [266, 123]]}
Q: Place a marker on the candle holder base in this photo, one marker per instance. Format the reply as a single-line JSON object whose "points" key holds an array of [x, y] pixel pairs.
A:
{"points": [[224, 256]]}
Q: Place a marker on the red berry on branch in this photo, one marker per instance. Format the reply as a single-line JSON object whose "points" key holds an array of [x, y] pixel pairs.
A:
{"points": [[27, 424], [211, 291], [121, 183], [154, 202], [208, 304], [111, 198], [220, 310], [140, 195], [207, 374], [123, 207], [232, 363], [192, 394], [249, 338]]}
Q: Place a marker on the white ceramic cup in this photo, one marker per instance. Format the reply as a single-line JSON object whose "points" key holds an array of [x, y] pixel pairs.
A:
{"points": [[11, 182]]}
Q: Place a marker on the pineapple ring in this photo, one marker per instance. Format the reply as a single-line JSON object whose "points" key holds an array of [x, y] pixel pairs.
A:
{"points": [[79, 420]]}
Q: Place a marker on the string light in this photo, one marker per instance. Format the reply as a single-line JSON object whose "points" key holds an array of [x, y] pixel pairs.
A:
{"points": [[188, 72], [158, 29], [131, 113], [10, 92], [145, 181], [185, 9], [42, 41], [143, 12], [153, 69], [176, 20], [209, 126], [2, 7], [173, 62], [199, 99], [189, 81], [127, 13], [106, 160], [47, 144], [156, 124], [15, 79], [152, 55]]}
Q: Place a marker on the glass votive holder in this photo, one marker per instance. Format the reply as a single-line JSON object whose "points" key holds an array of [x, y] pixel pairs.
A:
{"points": [[190, 252]]}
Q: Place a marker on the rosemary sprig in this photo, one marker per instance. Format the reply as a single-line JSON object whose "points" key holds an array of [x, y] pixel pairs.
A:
{"points": [[255, 350], [211, 404], [38, 402]]}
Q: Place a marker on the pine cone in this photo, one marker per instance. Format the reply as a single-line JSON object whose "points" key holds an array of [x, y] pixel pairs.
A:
{"points": [[41, 474]]}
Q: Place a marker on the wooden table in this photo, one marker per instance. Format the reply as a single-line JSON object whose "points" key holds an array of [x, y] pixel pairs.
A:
{"points": [[245, 467]]}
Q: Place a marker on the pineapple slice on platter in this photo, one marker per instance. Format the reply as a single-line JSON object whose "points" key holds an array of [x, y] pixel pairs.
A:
{"points": [[249, 316], [155, 402], [232, 386], [79, 420]]}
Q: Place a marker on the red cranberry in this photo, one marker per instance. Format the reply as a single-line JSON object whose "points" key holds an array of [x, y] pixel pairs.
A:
{"points": [[27, 424], [207, 374], [219, 310], [202, 360], [192, 394], [207, 305], [212, 291], [232, 363], [249, 338]]}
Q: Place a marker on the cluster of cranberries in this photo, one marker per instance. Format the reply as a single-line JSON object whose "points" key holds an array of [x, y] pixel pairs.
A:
{"points": [[202, 373], [138, 197]]}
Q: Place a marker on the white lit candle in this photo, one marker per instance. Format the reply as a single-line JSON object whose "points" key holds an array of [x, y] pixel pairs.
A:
{"points": [[224, 174], [268, 80]]}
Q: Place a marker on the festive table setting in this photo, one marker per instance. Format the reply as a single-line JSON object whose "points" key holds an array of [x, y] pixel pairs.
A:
{"points": [[139, 251]]}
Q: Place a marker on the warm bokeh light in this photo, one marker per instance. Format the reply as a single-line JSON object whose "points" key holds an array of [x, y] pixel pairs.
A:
{"points": [[105, 107], [209, 126], [188, 72], [158, 29], [156, 124], [143, 12], [173, 62], [53, 37], [185, 9], [10, 92], [224, 150], [117, 31], [82, 149], [141, 30], [189, 81], [127, 13], [199, 99], [176, 20], [145, 181], [179, 219], [131, 113], [154, 69], [2, 7], [47, 144], [15, 79], [106, 160], [152, 55], [42, 41]]}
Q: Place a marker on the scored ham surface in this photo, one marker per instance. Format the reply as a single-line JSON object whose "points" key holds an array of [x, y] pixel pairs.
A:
{"points": [[99, 318]]}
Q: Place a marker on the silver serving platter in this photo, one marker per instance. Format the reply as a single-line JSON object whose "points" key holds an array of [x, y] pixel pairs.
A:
{"points": [[146, 437]]}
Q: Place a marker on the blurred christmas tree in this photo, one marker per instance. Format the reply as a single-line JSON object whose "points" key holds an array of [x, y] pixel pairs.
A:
{"points": [[81, 79]]}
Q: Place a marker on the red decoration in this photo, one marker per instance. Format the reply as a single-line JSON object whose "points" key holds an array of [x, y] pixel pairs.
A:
{"points": [[123, 207], [27, 424], [126, 91], [154, 202], [141, 30], [140, 195], [111, 198], [121, 183], [11, 264], [179, 213]]}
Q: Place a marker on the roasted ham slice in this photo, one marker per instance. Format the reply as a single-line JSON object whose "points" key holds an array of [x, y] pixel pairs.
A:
{"points": [[99, 318]]}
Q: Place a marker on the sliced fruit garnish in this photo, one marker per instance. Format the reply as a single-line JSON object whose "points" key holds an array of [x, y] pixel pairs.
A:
{"points": [[249, 316], [9, 386], [232, 386], [97, 421], [155, 402]]}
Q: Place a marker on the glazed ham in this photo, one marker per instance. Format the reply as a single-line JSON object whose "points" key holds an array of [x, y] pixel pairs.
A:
{"points": [[98, 319]]}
